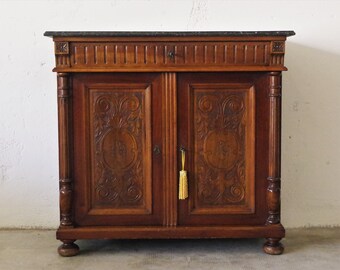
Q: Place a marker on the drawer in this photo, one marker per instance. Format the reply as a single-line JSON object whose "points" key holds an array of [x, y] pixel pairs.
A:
{"points": [[173, 56]]}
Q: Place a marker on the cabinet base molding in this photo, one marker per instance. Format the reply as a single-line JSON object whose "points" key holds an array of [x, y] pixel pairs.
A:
{"points": [[160, 232]]}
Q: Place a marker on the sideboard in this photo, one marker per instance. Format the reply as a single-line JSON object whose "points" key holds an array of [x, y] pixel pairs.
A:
{"points": [[169, 135]]}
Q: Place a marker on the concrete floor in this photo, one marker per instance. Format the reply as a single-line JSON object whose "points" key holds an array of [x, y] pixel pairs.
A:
{"points": [[305, 249]]}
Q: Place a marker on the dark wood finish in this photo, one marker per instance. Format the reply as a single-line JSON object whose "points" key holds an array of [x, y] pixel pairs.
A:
{"points": [[128, 103]]}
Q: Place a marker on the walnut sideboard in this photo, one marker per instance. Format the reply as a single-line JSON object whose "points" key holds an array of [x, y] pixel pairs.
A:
{"points": [[134, 106]]}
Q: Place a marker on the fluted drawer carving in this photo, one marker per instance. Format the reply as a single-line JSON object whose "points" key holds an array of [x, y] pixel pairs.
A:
{"points": [[168, 54]]}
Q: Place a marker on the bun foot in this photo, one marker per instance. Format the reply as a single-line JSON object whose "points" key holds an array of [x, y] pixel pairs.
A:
{"points": [[273, 246], [68, 248]]}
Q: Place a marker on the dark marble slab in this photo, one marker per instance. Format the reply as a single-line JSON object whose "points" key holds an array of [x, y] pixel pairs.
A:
{"points": [[166, 34]]}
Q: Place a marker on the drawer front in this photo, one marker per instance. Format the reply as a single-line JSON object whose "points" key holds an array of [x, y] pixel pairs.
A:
{"points": [[165, 56]]}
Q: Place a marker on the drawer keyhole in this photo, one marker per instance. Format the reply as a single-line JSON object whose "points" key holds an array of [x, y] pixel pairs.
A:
{"points": [[157, 149], [171, 54]]}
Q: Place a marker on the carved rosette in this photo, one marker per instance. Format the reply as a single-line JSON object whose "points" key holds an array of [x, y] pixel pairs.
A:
{"points": [[220, 140], [118, 141], [65, 182], [62, 54], [278, 47], [61, 47], [277, 53], [274, 178]]}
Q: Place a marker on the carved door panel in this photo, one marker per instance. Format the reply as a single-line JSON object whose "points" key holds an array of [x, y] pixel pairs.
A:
{"points": [[221, 129], [117, 173]]}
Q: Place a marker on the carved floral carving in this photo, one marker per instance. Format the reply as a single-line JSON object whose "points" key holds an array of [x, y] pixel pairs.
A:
{"points": [[61, 47], [278, 47], [220, 154], [118, 142]]}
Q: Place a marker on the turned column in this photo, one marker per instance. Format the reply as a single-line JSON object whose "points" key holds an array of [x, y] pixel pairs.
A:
{"points": [[273, 245], [68, 248]]}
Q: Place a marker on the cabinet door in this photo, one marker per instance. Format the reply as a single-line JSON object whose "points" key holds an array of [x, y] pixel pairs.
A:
{"points": [[225, 136], [117, 148]]}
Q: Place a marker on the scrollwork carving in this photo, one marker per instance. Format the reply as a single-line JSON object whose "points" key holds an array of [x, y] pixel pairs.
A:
{"points": [[220, 138], [118, 142]]}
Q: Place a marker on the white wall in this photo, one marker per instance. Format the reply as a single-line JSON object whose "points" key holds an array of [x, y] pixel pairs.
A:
{"points": [[28, 114]]}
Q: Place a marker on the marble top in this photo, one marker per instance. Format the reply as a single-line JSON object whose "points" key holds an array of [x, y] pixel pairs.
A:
{"points": [[165, 34]]}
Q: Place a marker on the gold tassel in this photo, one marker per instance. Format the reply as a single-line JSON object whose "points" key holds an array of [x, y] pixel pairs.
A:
{"points": [[183, 180]]}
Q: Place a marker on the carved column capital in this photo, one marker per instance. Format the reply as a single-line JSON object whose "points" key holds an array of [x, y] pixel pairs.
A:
{"points": [[63, 85]]}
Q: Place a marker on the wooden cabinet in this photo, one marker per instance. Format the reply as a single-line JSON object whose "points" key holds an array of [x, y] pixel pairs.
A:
{"points": [[134, 105]]}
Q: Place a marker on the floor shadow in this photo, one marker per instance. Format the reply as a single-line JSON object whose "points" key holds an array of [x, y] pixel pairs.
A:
{"points": [[180, 246], [296, 240]]}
